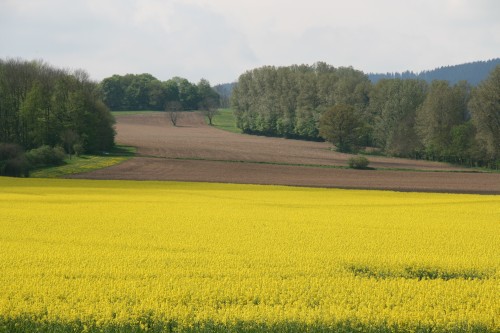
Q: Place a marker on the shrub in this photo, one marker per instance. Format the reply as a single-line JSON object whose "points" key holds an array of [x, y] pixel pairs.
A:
{"points": [[12, 161], [16, 167], [10, 150], [78, 149], [358, 162], [46, 156]]}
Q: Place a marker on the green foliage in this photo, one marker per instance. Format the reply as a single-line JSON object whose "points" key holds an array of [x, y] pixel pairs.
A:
{"points": [[392, 111], [444, 108], [78, 149], [9, 151], [15, 162], [416, 272], [39, 103], [465, 148], [341, 126], [288, 101], [145, 92], [113, 92], [402, 117], [45, 156], [307, 122], [85, 163], [485, 109], [358, 162], [12, 160]]}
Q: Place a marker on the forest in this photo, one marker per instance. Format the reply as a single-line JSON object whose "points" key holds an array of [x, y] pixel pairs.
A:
{"points": [[40, 104], [145, 92], [42, 107], [406, 118]]}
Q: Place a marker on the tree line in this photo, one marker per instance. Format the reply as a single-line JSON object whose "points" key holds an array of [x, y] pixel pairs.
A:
{"points": [[145, 92], [43, 106], [406, 118]]}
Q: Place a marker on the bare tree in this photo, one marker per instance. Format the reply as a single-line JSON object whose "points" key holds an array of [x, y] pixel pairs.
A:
{"points": [[209, 107], [173, 108]]}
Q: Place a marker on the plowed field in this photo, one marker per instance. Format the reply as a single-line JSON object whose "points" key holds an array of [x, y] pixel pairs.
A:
{"points": [[193, 151]]}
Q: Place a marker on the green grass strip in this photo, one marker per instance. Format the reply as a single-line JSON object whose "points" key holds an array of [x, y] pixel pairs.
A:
{"points": [[86, 163], [323, 166], [226, 121]]}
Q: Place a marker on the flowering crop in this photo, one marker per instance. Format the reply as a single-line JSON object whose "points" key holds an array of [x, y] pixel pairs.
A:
{"points": [[117, 256]]}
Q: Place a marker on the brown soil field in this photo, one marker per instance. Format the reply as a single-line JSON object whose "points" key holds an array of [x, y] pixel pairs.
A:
{"points": [[194, 151]]}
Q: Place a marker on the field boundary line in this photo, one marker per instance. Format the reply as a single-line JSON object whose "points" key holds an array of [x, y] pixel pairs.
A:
{"points": [[322, 166]]}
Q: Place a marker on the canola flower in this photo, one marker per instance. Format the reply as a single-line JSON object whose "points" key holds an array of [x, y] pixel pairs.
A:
{"points": [[118, 256]]}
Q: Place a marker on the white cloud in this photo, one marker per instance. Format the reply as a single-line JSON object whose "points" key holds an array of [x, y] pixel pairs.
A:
{"points": [[220, 39]]}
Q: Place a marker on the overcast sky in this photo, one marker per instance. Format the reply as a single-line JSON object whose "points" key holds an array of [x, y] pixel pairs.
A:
{"points": [[220, 39]]}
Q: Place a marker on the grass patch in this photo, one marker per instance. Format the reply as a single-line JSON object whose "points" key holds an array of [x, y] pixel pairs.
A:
{"points": [[86, 163], [226, 121], [418, 273]]}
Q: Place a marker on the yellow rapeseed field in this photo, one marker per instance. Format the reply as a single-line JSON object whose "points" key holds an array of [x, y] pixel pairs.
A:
{"points": [[117, 256]]}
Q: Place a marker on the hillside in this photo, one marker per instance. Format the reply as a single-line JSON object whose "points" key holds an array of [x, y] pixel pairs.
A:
{"points": [[473, 73]]}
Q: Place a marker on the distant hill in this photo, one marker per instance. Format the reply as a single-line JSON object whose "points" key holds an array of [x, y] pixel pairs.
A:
{"points": [[225, 90], [473, 73]]}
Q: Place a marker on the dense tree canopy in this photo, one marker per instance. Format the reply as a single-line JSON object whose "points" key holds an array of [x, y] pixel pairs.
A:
{"points": [[444, 108], [288, 101], [341, 126], [145, 92], [485, 109], [408, 118], [40, 105], [391, 113]]}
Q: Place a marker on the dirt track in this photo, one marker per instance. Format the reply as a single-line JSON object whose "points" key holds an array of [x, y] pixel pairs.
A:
{"points": [[194, 151]]}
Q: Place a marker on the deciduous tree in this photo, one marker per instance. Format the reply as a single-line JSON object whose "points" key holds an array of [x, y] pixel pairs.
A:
{"points": [[209, 107], [173, 108], [444, 108], [485, 109], [341, 126], [392, 111]]}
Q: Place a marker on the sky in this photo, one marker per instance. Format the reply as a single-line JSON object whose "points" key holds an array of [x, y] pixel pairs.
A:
{"points": [[221, 39]]}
